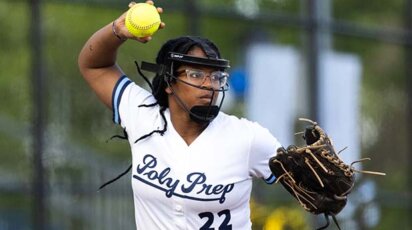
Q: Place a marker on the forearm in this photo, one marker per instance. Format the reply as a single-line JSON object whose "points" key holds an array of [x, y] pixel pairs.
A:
{"points": [[100, 50]]}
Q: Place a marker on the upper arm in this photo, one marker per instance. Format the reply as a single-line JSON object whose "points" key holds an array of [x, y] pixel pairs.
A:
{"points": [[102, 81], [263, 147]]}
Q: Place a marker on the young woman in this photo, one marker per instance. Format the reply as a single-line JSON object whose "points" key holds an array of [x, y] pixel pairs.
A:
{"points": [[192, 165]]}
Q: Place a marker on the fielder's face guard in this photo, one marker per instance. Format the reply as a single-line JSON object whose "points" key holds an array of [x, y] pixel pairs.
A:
{"points": [[187, 59], [201, 114], [160, 69]]}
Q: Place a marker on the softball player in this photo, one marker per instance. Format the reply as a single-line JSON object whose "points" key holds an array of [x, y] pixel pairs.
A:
{"points": [[192, 165]]}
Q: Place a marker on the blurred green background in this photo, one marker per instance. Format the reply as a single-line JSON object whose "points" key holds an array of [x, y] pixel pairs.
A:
{"points": [[76, 157]]}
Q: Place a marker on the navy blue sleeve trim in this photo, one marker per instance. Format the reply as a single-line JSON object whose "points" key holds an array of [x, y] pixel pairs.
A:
{"points": [[271, 179], [118, 90]]}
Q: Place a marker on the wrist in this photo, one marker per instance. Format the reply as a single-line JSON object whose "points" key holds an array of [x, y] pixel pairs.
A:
{"points": [[115, 33]]}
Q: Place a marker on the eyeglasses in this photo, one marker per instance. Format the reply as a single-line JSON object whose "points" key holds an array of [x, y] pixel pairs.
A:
{"points": [[197, 77]]}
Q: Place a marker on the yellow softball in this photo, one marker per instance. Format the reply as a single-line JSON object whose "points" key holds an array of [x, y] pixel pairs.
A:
{"points": [[142, 20]]}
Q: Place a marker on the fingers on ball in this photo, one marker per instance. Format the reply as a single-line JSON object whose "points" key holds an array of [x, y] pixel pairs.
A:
{"points": [[162, 25], [131, 4]]}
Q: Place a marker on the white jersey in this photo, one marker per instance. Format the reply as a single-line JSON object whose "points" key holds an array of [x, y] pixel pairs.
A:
{"points": [[205, 185]]}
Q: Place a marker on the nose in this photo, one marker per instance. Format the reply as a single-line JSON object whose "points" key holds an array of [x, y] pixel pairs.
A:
{"points": [[208, 83]]}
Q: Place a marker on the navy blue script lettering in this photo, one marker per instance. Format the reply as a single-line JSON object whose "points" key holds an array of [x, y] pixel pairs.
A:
{"points": [[196, 182]]}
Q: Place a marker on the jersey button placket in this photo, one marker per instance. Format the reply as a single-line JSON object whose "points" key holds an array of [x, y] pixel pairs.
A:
{"points": [[179, 209], [179, 220], [178, 204]]}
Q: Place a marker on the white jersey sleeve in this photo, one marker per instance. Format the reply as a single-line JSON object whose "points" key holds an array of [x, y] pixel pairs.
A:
{"points": [[263, 147], [126, 94]]}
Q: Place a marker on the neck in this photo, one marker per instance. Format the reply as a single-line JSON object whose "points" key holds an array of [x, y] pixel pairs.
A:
{"points": [[188, 129]]}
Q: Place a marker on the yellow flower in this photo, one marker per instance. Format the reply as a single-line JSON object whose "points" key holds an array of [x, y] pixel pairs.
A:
{"points": [[286, 218]]}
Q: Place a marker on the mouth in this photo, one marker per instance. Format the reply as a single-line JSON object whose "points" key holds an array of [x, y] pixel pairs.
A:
{"points": [[205, 98]]}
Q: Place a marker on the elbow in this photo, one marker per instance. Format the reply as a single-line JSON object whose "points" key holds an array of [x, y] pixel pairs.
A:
{"points": [[81, 64]]}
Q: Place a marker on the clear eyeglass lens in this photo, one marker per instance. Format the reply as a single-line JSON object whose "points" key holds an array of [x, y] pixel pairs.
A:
{"points": [[218, 78], [195, 75]]}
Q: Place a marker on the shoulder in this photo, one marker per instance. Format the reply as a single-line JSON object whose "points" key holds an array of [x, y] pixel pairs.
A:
{"points": [[235, 124], [131, 95], [233, 120], [128, 99]]}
